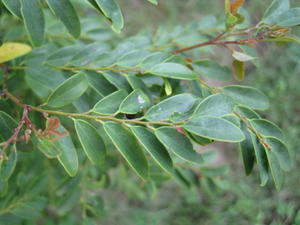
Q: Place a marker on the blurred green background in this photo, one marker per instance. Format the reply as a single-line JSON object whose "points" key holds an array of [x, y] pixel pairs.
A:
{"points": [[239, 199]]}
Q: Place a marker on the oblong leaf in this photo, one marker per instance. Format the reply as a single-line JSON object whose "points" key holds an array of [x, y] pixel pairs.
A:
{"points": [[91, 141], [247, 96], [111, 11], [129, 148], [111, 103], [173, 70], [212, 70], [276, 171], [178, 143], [176, 104], [12, 50], [215, 105], [214, 128], [33, 17], [267, 128], [48, 147], [135, 102], [68, 91], [151, 144], [8, 166], [281, 152], [65, 11], [68, 157]]}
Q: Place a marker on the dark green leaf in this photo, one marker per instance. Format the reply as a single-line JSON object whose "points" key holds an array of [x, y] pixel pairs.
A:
{"points": [[65, 11], [246, 112], [214, 128], [136, 102], [150, 143], [48, 147], [173, 70], [68, 91], [14, 6], [68, 157], [7, 126], [91, 141], [276, 171], [239, 70], [247, 96], [33, 16], [117, 80], [176, 104], [111, 103], [63, 55], [128, 146], [267, 128], [8, 166], [178, 143]]}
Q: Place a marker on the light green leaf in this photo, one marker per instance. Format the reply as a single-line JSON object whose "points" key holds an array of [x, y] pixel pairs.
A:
{"points": [[267, 128], [33, 17], [112, 12], [14, 6], [48, 148], [173, 70], [63, 55], [212, 70], [8, 166], [111, 103], [281, 152], [214, 128], [91, 141], [65, 11], [68, 91], [247, 112], [261, 159], [242, 57], [176, 104], [153, 2], [215, 105], [68, 157], [12, 50], [276, 9], [289, 18], [247, 96], [118, 80], [135, 102], [178, 143], [151, 144], [128, 146], [132, 58], [154, 59]]}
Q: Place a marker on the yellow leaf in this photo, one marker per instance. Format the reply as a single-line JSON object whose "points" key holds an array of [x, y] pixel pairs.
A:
{"points": [[11, 50]]}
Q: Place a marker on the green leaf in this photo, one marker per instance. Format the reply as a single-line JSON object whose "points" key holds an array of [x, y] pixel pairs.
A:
{"points": [[12, 50], [246, 112], [99, 83], [63, 55], [135, 102], [239, 70], [68, 157], [276, 9], [153, 2], [212, 70], [178, 143], [215, 105], [276, 172], [261, 159], [14, 6], [267, 128], [132, 58], [151, 144], [68, 91], [214, 128], [173, 70], [48, 147], [65, 11], [281, 152], [247, 96], [111, 103], [112, 12], [8, 166], [289, 18], [128, 146], [3, 188], [117, 80], [242, 57], [33, 16], [176, 104], [247, 150], [154, 59], [7, 126], [91, 141]]}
